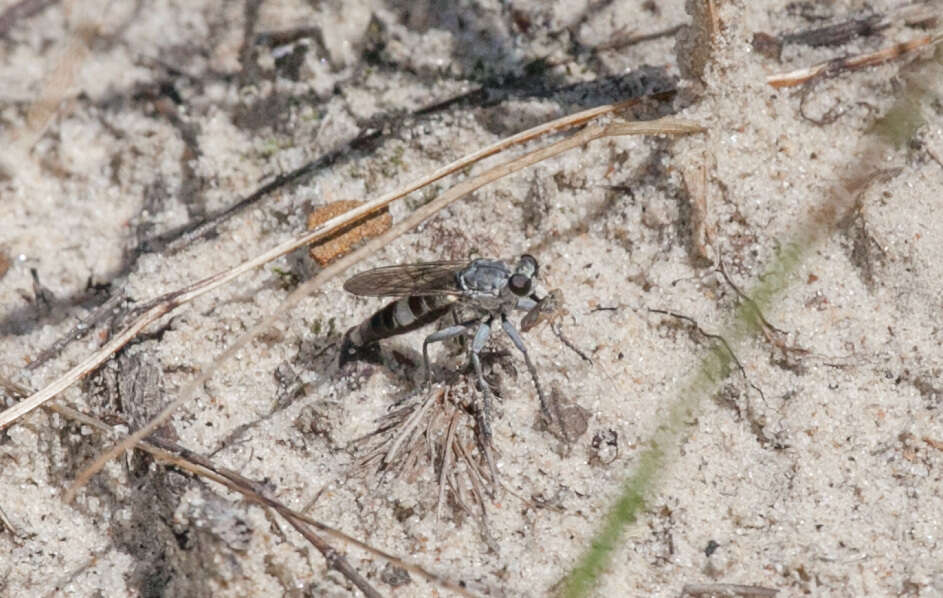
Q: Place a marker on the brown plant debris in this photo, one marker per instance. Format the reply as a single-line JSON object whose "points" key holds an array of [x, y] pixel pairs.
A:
{"points": [[332, 247], [4, 263], [436, 433], [695, 42]]}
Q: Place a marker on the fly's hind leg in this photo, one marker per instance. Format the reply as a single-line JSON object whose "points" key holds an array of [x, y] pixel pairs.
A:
{"points": [[465, 328], [484, 415], [482, 333]]}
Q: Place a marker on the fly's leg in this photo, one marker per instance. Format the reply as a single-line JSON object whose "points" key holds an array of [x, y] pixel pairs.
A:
{"points": [[526, 304], [515, 337], [439, 336], [456, 321], [484, 415]]}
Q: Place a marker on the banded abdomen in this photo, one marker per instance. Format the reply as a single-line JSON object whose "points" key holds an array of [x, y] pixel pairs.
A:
{"points": [[399, 317]]}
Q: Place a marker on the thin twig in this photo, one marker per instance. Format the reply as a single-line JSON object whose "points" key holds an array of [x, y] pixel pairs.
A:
{"points": [[483, 511], [474, 468], [851, 63], [335, 560], [558, 331], [727, 589], [5, 522], [754, 308], [446, 466], [717, 337]]}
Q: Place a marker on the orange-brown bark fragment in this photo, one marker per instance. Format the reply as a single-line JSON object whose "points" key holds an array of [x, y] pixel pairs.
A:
{"points": [[332, 247]]}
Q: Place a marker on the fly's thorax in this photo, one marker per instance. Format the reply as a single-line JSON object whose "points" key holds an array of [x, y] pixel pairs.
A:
{"points": [[484, 278]]}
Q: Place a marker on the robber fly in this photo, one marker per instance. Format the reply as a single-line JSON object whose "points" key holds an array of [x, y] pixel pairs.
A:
{"points": [[481, 291]]}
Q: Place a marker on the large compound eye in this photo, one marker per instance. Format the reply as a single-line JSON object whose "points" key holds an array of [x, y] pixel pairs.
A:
{"points": [[519, 285]]}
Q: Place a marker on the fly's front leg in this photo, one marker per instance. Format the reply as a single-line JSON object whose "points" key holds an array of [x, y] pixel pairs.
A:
{"points": [[515, 337], [481, 338], [526, 304]]}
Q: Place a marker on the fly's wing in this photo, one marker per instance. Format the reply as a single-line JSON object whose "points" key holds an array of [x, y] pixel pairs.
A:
{"points": [[430, 278]]}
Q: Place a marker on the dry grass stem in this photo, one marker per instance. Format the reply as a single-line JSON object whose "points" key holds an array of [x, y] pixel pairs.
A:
{"points": [[695, 179], [850, 63], [447, 459]]}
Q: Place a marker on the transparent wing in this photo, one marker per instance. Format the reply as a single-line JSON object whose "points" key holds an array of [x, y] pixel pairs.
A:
{"points": [[430, 278]]}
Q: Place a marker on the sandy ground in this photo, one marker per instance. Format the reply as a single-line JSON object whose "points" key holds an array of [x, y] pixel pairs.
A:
{"points": [[817, 470]]}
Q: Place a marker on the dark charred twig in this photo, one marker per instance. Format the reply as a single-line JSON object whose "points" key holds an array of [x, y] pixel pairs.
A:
{"points": [[727, 589], [910, 15], [249, 68], [334, 559], [180, 239], [281, 37], [42, 295], [837, 34], [257, 493], [82, 328], [23, 9]]}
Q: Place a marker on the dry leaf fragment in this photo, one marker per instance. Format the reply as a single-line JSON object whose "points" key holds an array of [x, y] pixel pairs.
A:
{"points": [[332, 247]]}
